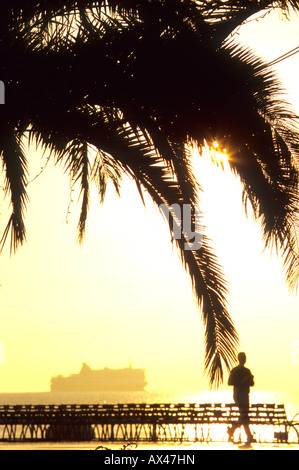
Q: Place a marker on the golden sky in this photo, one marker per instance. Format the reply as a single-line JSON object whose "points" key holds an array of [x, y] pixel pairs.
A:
{"points": [[123, 298]]}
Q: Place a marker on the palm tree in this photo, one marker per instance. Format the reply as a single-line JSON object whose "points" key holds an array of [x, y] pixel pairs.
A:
{"points": [[115, 77]]}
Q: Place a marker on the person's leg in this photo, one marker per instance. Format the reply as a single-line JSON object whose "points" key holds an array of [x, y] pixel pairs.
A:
{"points": [[248, 433], [231, 431], [244, 417]]}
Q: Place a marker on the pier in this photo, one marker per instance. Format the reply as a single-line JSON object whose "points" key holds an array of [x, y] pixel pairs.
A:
{"points": [[142, 422]]}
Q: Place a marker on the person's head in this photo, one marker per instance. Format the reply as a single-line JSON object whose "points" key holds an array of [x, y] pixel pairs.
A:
{"points": [[242, 358]]}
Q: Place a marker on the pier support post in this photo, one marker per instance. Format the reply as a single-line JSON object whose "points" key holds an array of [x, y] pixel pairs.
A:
{"points": [[154, 433]]}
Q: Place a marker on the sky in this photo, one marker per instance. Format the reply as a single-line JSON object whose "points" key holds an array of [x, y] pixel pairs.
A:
{"points": [[123, 298]]}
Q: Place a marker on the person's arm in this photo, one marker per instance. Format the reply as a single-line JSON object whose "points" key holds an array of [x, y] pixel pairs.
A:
{"points": [[249, 379], [231, 378]]}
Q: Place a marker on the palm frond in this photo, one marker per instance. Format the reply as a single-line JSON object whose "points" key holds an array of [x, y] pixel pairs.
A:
{"points": [[106, 169], [15, 169], [168, 181], [264, 154], [79, 169], [142, 101], [208, 281]]}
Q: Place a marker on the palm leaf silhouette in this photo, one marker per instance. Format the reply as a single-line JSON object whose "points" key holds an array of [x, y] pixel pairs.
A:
{"points": [[138, 83]]}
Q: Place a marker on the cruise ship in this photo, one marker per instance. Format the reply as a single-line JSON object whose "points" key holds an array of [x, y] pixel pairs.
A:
{"points": [[89, 380]]}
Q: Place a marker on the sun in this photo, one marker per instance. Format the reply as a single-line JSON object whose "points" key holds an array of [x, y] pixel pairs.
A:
{"points": [[217, 154], [212, 152]]}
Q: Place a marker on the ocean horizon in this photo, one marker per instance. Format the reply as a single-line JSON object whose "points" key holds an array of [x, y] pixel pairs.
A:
{"points": [[290, 398]]}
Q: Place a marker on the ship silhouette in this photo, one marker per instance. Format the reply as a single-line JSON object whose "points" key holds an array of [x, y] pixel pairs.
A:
{"points": [[89, 380]]}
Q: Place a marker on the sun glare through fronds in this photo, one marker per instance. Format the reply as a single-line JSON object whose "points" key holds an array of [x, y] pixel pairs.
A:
{"points": [[214, 152]]}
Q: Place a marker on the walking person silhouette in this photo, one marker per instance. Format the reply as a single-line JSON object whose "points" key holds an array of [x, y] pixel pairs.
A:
{"points": [[241, 379]]}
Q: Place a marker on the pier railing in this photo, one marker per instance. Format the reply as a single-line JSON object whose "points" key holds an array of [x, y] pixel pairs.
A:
{"points": [[141, 422]]}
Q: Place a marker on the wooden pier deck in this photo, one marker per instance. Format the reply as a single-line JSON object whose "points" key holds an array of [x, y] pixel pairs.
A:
{"points": [[142, 422]]}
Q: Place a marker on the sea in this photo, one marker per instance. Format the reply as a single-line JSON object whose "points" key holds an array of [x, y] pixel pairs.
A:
{"points": [[289, 399]]}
